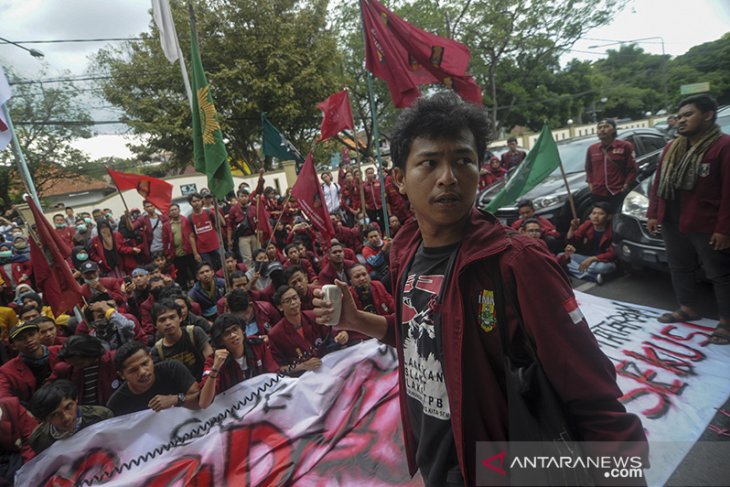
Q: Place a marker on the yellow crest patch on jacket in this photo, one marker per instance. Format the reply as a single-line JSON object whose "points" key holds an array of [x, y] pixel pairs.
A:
{"points": [[487, 316]]}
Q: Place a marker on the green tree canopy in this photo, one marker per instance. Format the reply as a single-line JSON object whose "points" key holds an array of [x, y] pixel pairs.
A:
{"points": [[276, 56]]}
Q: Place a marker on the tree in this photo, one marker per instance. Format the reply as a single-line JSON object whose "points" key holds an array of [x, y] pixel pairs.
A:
{"points": [[38, 112], [708, 62], [528, 33], [276, 56]]}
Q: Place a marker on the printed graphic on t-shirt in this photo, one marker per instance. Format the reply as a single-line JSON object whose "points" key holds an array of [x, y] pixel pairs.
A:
{"points": [[423, 370], [205, 227]]}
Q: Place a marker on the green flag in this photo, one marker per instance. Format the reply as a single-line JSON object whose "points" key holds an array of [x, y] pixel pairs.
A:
{"points": [[542, 159], [209, 152], [275, 144]]}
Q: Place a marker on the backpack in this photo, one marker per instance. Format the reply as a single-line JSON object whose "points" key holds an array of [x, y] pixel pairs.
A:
{"points": [[191, 333]]}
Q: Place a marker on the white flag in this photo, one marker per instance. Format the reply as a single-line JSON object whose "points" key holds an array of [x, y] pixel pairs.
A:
{"points": [[168, 35], [5, 134]]}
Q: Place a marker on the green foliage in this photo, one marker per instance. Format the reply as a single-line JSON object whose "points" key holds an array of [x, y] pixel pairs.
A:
{"points": [[35, 110], [276, 56]]}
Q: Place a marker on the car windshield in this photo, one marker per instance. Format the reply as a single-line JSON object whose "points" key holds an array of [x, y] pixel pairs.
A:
{"points": [[573, 155]]}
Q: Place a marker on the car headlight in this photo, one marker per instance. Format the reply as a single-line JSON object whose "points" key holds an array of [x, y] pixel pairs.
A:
{"points": [[635, 205], [550, 200]]}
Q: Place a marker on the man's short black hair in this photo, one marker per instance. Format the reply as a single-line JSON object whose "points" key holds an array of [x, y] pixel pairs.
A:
{"points": [[163, 307], [257, 252], [85, 346], [27, 307], [201, 265], [221, 324], [605, 206], [194, 195], [705, 103], [525, 202], [527, 221], [46, 399], [443, 115], [237, 301], [290, 246], [279, 293], [512, 139], [238, 275], [126, 351], [293, 270]]}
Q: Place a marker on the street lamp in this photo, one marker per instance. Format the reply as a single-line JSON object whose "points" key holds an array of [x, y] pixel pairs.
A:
{"points": [[636, 41], [33, 52]]}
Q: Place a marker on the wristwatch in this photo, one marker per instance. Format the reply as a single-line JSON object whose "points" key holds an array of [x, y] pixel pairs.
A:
{"points": [[180, 399]]}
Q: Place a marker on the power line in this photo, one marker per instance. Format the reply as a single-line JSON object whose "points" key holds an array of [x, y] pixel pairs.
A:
{"points": [[61, 41]]}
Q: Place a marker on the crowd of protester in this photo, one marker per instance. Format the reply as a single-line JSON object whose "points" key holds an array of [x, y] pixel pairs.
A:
{"points": [[167, 320]]}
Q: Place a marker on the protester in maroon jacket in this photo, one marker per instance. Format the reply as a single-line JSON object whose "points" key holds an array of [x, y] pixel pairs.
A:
{"points": [[257, 317], [610, 166], [16, 427], [336, 266], [513, 157], [156, 231], [298, 336], [526, 209], [113, 256], [690, 198], [444, 265], [93, 284], [369, 295], [236, 359], [92, 369], [589, 253], [181, 252], [296, 278], [21, 376], [65, 232], [294, 258]]}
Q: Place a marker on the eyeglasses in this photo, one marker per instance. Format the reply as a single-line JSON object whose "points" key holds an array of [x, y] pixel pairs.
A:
{"points": [[288, 301]]}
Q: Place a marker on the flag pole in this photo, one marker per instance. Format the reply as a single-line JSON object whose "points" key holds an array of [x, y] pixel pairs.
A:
{"points": [[22, 163], [216, 209], [376, 137], [570, 195]]}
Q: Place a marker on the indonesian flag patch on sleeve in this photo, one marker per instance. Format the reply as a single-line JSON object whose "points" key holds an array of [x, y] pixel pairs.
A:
{"points": [[571, 307]]}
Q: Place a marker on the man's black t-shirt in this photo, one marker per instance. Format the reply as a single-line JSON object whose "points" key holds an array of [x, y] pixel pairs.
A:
{"points": [[428, 403], [185, 351], [171, 377]]}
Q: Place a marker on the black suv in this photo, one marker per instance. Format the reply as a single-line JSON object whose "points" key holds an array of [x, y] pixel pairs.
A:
{"points": [[551, 198], [634, 245]]}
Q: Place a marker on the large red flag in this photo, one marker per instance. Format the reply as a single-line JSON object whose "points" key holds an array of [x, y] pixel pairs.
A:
{"points": [[262, 216], [156, 191], [50, 271], [308, 193], [337, 115], [405, 56]]}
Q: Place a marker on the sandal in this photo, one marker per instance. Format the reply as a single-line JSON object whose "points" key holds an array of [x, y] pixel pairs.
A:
{"points": [[677, 316], [721, 336]]}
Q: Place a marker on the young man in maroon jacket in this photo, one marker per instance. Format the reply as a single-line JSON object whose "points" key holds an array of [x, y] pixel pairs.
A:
{"points": [[610, 166], [451, 377], [690, 197]]}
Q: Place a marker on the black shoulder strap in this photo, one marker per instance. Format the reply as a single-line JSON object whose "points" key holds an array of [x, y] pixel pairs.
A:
{"points": [[500, 297]]}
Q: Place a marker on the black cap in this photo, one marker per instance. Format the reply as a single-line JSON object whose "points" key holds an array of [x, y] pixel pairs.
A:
{"points": [[609, 121], [89, 266], [20, 328]]}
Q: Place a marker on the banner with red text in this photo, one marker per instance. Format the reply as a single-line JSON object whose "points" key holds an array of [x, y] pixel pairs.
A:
{"points": [[340, 425]]}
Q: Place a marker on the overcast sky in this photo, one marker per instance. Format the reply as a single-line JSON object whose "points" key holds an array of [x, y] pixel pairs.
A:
{"points": [[681, 24]]}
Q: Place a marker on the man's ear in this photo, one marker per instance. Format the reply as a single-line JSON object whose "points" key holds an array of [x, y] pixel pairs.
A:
{"points": [[399, 178]]}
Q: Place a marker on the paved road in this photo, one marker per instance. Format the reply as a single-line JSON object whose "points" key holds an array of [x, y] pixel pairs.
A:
{"points": [[703, 465], [649, 288]]}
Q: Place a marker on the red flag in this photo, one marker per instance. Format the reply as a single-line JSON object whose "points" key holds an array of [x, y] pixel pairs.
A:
{"points": [[262, 216], [156, 191], [308, 193], [52, 275], [337, 115], [405, 56]]}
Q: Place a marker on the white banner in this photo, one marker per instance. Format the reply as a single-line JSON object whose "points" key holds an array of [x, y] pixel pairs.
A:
{"points": [[340, 425]]}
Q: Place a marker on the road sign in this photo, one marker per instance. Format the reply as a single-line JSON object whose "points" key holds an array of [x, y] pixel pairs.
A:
{"points": [[694, 88]]}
